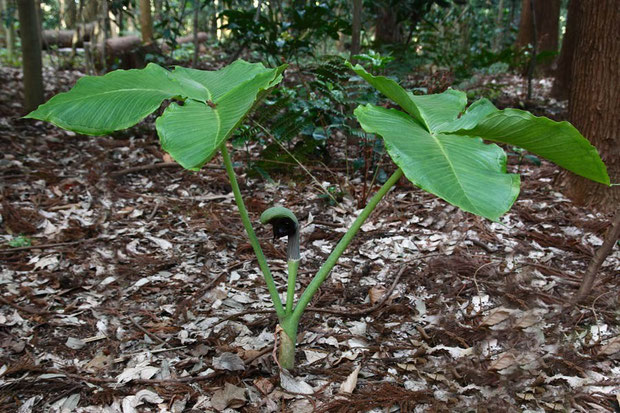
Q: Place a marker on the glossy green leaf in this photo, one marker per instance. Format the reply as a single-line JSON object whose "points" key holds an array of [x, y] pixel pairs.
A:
{"points": [[431, 111], [474, 114], [461, 170], [215, 103], [98, 105], [558, 142], [194, 131]]}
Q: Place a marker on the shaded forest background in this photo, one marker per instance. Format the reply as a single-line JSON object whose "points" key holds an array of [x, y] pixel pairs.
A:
{"points": [[430, 45]]}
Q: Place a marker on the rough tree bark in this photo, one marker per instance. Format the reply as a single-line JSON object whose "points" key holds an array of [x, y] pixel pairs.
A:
{"points": [[593, 100], [547, 26], [31, 54], [146, 21], [563, 65]]}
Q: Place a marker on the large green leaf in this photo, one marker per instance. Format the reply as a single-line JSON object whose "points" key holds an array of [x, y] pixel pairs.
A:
{"points": [[558, 142], [431, 111], [98, 105], [215, 103], [461, 170], [193, 132], [474, 114]]}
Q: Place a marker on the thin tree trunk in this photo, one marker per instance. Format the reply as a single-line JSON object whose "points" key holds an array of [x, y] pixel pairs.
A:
{"points": [[9, 29], [31, 54], [106, 34], [613, 233], [146, 21], [532, 65], [594, 105], [356, 29], [499, 30], [547, 27], [196, 44], [562, 82]]}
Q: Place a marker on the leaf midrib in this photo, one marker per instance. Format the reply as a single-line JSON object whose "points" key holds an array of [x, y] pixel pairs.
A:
{"points": [[454, 173], [116, 91]]}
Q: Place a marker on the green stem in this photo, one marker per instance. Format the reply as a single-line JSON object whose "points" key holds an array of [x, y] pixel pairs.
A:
{"points": [[324, 271], [262, 261], [293, 265]]}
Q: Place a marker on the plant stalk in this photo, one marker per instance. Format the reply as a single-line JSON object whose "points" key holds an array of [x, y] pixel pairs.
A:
{"points": [[288, 339], [260, 256], [342, 245], [293, 265]]}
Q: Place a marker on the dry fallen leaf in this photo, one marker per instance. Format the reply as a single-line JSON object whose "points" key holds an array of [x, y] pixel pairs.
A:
{"points": [[528, 319], [228, 361], [504, 361], [349, 384], [612, 346], [230, 396], [496, 316], [264, 385], [375, 294]]}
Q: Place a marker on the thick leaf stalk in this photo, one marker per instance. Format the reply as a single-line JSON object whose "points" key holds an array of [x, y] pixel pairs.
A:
{"points": [[245, 218]]}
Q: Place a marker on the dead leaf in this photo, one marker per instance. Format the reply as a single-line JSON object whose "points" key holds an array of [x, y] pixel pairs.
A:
{"points": [[375, 294], [496, 316], [228, 361], [74, 343], [293, 385], [503, 361], [612, 346], [230, 396], [131, 402], [349, 384], [528, 319], [264, 385]]}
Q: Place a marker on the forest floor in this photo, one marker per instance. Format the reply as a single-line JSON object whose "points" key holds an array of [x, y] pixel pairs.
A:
{"points": [[140, 291]]}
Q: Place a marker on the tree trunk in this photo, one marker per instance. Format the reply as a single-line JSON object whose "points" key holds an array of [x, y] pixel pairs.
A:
{"points": [[499, 29], [547, 27], [593, 105], [31, 54], [9, 29], [69, 14], [356, 29], [387, 29], [146, 22], [561, 84], [195, 34]]}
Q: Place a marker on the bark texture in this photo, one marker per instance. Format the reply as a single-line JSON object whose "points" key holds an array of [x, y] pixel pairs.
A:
{"points": [[146, 21], [563, 66], [547, 16], [593, 101], [31, 54]]}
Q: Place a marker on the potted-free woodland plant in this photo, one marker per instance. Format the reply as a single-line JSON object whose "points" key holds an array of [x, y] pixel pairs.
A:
{"points": [[436, 141]]}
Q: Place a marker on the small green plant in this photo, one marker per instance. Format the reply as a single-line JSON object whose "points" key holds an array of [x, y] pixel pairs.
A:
{"points": [[437, 143], [20, 241]]}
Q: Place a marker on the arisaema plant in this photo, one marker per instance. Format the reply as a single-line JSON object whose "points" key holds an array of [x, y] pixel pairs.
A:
{"points": [[437, 142]]}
